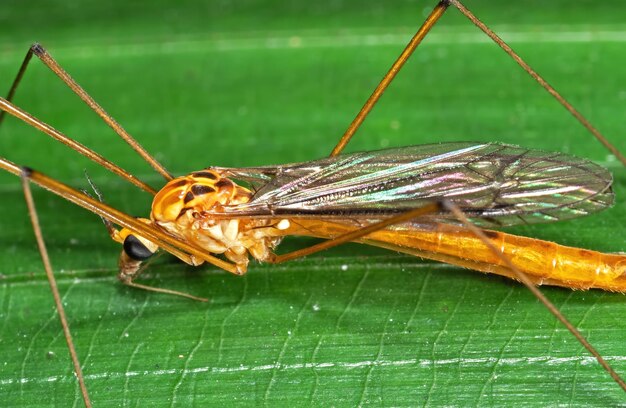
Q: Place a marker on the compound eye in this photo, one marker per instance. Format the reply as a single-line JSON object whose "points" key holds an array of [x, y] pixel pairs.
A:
{"points": [[135, 249]]}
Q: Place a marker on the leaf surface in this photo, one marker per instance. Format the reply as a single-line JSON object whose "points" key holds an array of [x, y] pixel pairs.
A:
{"points": [[263, 83]]}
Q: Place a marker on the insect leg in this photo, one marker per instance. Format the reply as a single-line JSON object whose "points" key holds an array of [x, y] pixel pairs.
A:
{"points": [[583, 121], [432, 208], [522, 277], [8, 107], [53, 286], [17, 80], [159, 238], [359, 233], [128, 275], [416, 40], [128, 279], [41, 53], [430, 21]]}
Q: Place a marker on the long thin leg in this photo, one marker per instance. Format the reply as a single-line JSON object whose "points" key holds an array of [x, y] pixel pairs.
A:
{"points": [[359, 233], [521, 276], [416, 40], [449, 206], [17, 80], [128, 279], [595, 132], [162, 240], [41, 53], [434, 16], [53, 287], [8, 107]]}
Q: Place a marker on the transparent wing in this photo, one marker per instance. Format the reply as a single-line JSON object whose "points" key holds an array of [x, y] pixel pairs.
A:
{"points": [[496, 183]]}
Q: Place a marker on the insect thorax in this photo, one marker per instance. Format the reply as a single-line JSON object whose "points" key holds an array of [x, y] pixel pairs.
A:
{"points": [[187, 207]]}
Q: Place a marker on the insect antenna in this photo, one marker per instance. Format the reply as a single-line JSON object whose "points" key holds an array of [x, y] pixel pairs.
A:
{"points": [[43, 55], [32, 211], [108, 224]]}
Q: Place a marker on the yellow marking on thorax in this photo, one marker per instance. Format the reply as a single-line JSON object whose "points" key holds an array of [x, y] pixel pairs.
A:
{"points": [[202, 191]]}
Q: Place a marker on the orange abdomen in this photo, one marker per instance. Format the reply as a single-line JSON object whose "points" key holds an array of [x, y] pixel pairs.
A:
{"points": [[544, 262]]}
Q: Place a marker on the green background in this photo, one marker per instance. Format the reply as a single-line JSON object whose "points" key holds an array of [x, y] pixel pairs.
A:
{"points": [[268, 82]]}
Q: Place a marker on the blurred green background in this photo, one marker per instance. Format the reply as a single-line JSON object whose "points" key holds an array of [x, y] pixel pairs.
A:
{"points": [[267, 82]]}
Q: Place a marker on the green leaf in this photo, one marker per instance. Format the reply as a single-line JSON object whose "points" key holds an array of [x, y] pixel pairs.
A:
{"points": [[254, 83]]}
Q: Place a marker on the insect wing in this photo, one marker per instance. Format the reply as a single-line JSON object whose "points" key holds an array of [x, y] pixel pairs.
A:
{"points": [[496, 183]]}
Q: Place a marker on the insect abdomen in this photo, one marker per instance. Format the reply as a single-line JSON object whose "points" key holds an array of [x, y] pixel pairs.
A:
{"points": [[544, 262]]}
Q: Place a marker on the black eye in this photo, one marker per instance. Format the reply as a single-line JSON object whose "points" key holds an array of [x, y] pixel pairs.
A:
{"points": [[135, 249]]}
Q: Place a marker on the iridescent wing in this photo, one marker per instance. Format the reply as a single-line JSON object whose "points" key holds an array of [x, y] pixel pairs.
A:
{"points": [[496, 184]]}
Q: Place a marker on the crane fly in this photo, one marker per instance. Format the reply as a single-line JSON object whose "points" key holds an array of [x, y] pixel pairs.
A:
{"points": [[418, 200], [495, 184]]}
